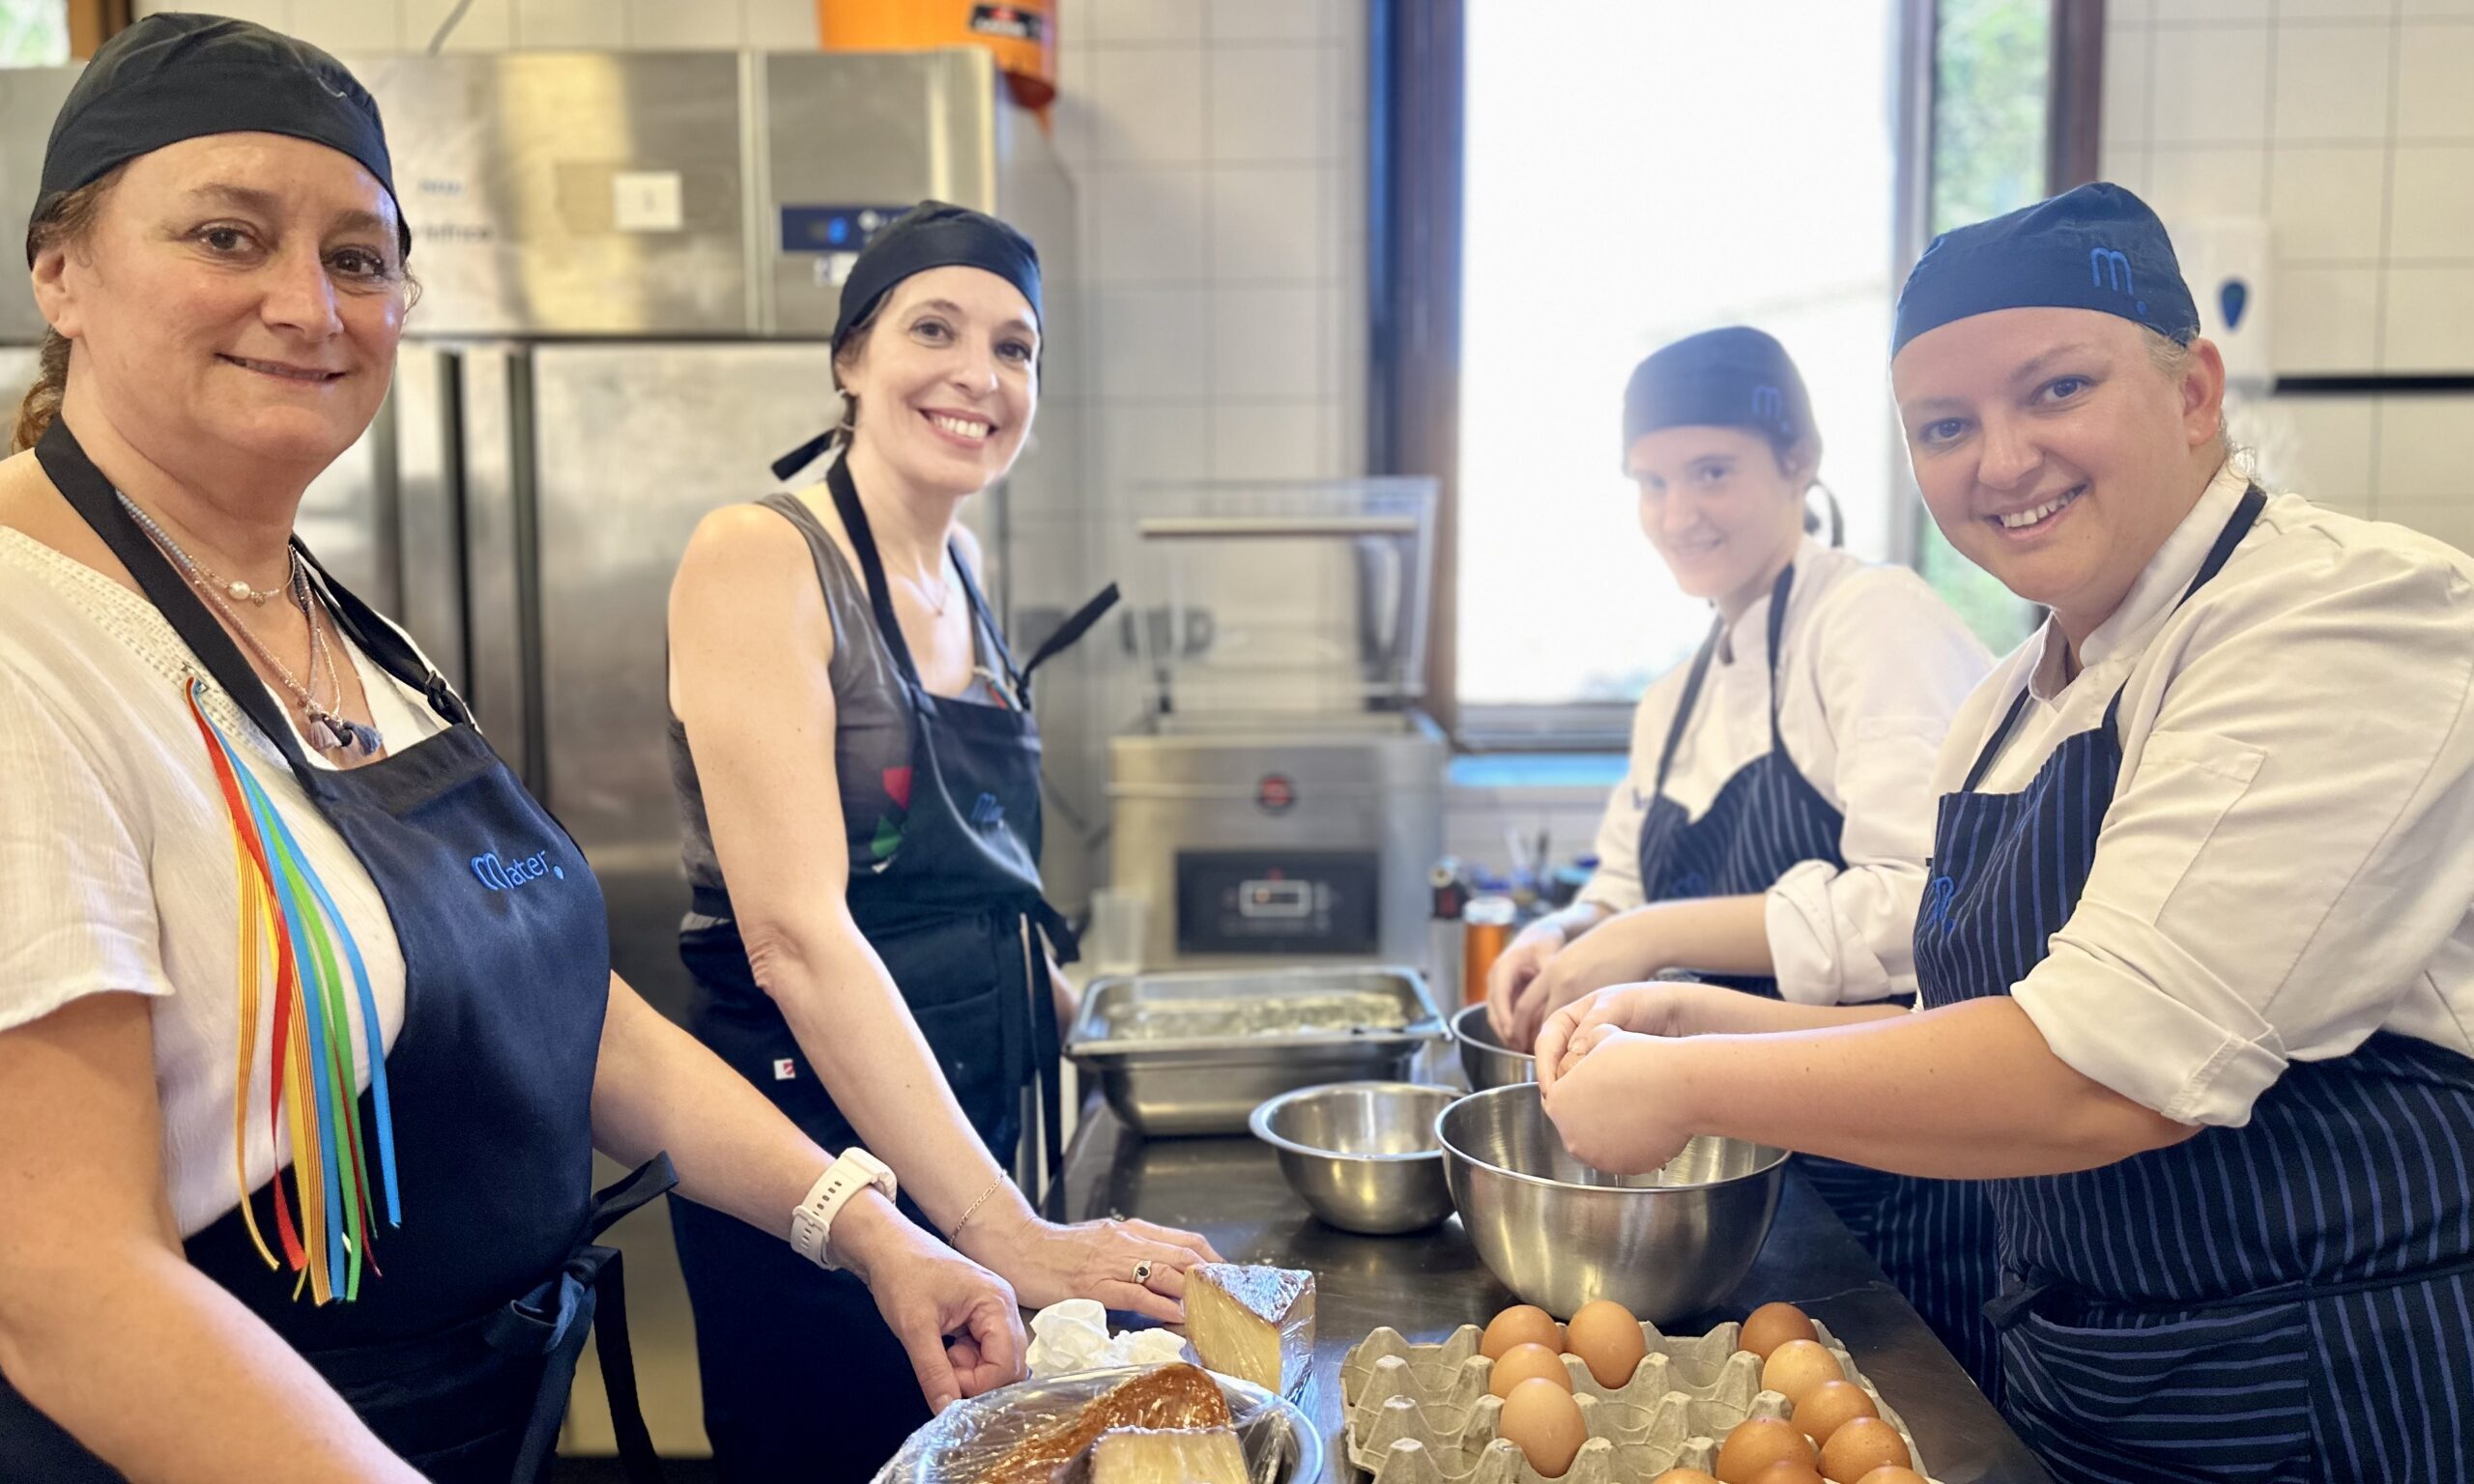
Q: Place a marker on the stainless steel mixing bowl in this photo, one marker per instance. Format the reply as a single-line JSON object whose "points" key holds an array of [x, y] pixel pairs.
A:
{"points": [[1487, 1060], [1560, 1234], [1363, 1155]]}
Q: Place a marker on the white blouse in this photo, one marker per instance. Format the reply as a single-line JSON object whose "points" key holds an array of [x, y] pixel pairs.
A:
{"points": [[116, 860], [2289, 862], [1872, 664]]}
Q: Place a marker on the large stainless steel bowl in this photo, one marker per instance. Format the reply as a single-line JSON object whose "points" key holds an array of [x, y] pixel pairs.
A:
{"points": [[1363, 1155], [1487, 1060], [1560, 1234]]}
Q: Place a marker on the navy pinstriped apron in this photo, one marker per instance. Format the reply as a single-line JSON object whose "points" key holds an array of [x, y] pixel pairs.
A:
{"points": [[2281, 1303], [1933, 1238]]}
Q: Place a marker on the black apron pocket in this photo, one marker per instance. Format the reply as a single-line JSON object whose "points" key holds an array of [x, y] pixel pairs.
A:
{"points": [[2219, 1396]]}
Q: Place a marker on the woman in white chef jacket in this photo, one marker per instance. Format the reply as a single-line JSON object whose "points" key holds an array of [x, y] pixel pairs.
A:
{"points": [[1772, 833], [2196, 961]]}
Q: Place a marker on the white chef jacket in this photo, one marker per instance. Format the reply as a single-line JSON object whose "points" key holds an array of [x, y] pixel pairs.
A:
{"points": [[116, 865], [1872, 665], [2289, 862]]}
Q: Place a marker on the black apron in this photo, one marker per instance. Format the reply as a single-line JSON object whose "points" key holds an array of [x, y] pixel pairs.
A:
{"points": [[957, 916], [2291, 1302], [1933, 1238], [459, 1356]]}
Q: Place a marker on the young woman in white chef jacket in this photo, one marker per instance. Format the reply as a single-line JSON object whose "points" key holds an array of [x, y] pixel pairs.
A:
{"points": [[2196, 961], [1772, 832]]}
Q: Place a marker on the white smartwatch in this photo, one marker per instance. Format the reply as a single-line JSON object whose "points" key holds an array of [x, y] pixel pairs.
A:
{"points": [[812, 1222]]}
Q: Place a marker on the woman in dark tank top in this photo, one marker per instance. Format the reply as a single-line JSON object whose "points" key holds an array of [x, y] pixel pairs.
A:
{"points": [[858, 777]]}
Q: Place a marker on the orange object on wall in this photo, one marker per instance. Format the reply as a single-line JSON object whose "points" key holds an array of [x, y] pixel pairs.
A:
{"points": [[1020, 33]]}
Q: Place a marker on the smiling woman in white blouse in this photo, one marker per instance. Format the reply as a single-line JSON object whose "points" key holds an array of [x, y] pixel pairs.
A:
{"points": [[2196, 961], [1771, 834]]}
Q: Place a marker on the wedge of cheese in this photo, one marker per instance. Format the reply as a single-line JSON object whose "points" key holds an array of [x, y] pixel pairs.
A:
{"points": [[1133, 1456], [1256, 1323]]}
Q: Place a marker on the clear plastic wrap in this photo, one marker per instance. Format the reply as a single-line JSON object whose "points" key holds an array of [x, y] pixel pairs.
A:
{"points": [[972, 1439]]}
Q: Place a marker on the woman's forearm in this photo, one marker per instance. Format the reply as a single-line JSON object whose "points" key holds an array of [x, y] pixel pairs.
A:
{"points": [[851, 1019], [1710, 934], [166, 1377], [1713, 1009], [1966, 1091]]}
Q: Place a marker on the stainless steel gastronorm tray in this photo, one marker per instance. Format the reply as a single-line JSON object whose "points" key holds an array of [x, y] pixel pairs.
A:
{"points": [[1195, 1052]]}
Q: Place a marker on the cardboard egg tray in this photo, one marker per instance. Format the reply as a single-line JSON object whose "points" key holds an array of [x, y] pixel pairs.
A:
{"points": [[1421, 1415]]}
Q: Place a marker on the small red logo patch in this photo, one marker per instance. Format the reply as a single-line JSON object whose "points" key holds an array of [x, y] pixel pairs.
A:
{"points": [[898, 786]]}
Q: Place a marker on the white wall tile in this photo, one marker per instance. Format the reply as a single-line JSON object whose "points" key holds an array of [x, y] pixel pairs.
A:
{"points": [[2126, 167], [2430, 320], [2130, 60], [1149, 444], [2434, 60], [2328, 203], [2418, 8], [2214, 10], [275, 15], [2129, 13], [2327, 320], [346, 28], [2432, 202], [779, 25], [1274, 20], [1267, 440], [2336, 10], [1268, 105], [2191, 183], [1146, 105], [1112, 23], [674, 25], [573, 25], [2422, 448], [488, 26], [2211, 85], [1145, 225], [2333, 82], [1271, 221], [1266, 342], [2319, 446], [1152, 343]]}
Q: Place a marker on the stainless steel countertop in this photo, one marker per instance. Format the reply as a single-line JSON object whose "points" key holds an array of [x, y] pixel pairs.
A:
{"points": [[1427, 1284]]}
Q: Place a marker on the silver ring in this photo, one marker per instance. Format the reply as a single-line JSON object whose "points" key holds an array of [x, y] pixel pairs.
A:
{"points": [[1142, 1273]]}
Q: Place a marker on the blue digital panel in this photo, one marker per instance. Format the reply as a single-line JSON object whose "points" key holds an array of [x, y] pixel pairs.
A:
{"points": [[833, 228]]}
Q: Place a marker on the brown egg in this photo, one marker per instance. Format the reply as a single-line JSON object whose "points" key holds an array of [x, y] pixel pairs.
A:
{"points": [[1528, 1362], [1609, 1341], [1832, 1406], [1893, 1475], [1684, 1477], [1865, 1445], [1542, 1420], [1774, 1324], [1523, 1323], [1795, 1368], [1758, 1443], [1788, 1472]]}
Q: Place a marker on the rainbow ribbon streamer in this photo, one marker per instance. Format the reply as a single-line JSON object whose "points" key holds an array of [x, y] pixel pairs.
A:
{"points": [[294, 942]]}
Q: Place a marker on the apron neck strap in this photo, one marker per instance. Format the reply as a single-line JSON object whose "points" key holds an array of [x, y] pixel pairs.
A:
{"points": [[1779, 591], [2236, 526], [872, 567], [94, 499]]}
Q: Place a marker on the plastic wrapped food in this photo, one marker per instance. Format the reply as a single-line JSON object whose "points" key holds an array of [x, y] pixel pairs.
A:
{"points": [[1256, 1323], [1022, 1432], [1133, 1455]]}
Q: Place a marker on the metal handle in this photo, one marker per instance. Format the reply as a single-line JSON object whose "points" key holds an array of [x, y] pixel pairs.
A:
{"points": [[1222, 527]]}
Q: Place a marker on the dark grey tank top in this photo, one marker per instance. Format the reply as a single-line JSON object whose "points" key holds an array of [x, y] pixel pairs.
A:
{"points": [[872, 719]]}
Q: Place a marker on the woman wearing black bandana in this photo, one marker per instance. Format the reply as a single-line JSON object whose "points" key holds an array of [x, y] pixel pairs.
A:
{"points": [[858, 774], [307, 1028]]}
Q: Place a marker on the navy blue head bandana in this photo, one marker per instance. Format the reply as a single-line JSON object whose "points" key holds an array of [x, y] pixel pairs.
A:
{"points": [[1732, 377], [2097, 247], [936, 235]]}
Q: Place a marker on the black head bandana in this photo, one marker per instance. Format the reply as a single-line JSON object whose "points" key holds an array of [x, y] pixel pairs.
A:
{"points": [[1731, 378], [171, 77]]}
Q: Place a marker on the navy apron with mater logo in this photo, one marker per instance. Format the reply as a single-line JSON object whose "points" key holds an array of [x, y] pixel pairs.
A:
{"points": [[2285, 1303], [801, 1377], [458, 1351], [1933, 1238]]}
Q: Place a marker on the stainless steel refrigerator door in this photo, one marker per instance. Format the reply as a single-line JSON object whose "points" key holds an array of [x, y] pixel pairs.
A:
{"points": [[631, 445]]}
